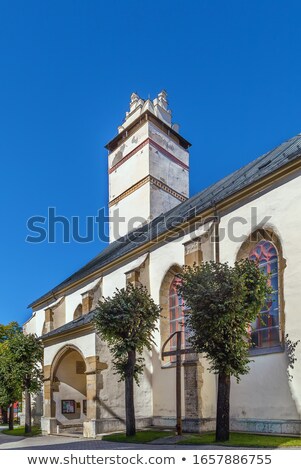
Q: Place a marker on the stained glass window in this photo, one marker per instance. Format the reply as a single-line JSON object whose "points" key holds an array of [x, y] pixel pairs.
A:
{"points": [[176, 313], [265, 329]]}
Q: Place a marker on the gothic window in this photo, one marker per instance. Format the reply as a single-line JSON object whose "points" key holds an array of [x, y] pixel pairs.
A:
{"points": [[78, 312], [265, 331], [176, 314]]}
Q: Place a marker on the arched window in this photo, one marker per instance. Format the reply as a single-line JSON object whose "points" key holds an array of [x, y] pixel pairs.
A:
{"points": [[265, 329], [78, 312], [176, 314]]}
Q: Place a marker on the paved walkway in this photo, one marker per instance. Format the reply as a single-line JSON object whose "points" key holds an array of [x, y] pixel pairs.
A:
{"points": [[73, 443], [4, 439]]}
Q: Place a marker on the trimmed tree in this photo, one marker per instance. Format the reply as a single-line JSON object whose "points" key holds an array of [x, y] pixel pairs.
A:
{"points": [[27, 353], [10, 391], [222, 301], [21, 359], [126, 321]]}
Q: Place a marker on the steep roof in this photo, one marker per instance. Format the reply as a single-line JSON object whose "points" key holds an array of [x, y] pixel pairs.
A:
{"points": [[252, 172], [71, 325]]}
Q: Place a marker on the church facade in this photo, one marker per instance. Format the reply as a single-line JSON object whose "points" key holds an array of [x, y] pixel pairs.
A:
{"points": [[254, 212]]}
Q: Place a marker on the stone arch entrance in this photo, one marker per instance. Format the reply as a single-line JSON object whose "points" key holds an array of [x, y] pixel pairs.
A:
{"points": [[71, 376], [69, 389]]}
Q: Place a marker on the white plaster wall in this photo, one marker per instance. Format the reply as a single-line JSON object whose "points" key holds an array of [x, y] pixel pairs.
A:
{"points": [[161, 260], [129, 173], [135, 208], [168, 144], [85, 343], [163, 378], [72, 300], [148, 160], [128, 145], [161, 201], [35, 324], [142, 163], [265, 392], [115, 279], [169, 172], [112, 394], [30, 326]]}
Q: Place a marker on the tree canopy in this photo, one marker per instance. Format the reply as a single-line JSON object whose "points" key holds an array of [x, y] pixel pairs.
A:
{"points": [[20, 366], [221, 303], [10, 389], [25, 352], [126, 322], [8, 331]]}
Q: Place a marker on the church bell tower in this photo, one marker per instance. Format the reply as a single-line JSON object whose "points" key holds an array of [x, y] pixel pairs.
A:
{"points": [[148, 166]]}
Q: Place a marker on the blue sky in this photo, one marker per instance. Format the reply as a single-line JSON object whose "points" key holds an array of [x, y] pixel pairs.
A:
{"points": [[67, 68]]}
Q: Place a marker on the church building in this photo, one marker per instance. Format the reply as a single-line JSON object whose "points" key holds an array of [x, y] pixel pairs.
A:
{"points": [[155, 229]]}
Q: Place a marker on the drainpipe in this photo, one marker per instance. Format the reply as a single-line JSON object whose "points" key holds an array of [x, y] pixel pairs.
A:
{"points": [[216, 236]]}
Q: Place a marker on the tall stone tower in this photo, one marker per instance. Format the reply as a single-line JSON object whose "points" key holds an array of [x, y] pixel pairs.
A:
{"points": [[148, 165]]}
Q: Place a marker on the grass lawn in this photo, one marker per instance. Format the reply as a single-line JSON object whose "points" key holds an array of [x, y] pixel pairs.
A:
{"points": [[243, 440], [141, 437], [20, 431]]}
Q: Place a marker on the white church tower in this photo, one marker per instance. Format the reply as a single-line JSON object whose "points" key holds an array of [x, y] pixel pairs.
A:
{"points": [[148, 165]]}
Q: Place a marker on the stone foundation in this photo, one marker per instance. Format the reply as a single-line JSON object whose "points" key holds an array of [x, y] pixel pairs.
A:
{"points": [[198, 425], [48, 425], [97, 426], [94, 427], [271, 426], [189, 424]]}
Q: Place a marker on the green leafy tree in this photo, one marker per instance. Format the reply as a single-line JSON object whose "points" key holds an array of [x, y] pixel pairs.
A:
{"points": [[222, 301], [126, 321], [9, 391], [21, 370], [8, 331]]}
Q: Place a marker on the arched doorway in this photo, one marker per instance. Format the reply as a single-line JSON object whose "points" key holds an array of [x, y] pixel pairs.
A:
{"points": [[69, 388]]}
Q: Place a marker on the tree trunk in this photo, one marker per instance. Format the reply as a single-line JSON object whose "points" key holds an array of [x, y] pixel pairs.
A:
{"points": [[4, 414], [11, 417], [223, 408], [27, 411], [129, 394]]}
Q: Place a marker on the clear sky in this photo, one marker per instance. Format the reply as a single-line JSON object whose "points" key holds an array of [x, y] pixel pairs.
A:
{"points": [[232, 71]]}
